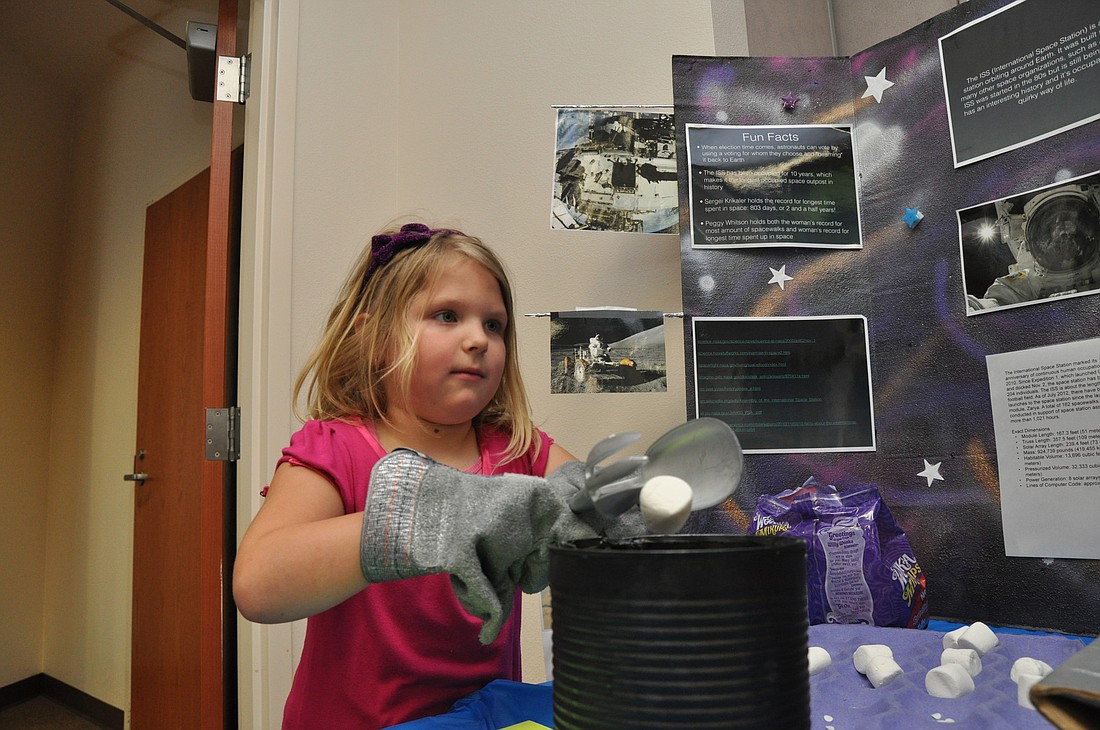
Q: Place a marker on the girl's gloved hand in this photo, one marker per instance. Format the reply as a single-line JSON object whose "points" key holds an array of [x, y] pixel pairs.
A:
{"points": [[492, 534]]}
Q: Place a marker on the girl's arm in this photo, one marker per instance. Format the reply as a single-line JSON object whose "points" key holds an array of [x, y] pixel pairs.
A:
{"points": [[300, 555]]}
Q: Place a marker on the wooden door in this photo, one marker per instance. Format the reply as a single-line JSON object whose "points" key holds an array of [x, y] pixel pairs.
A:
{"points": [[167, 506], [173, 665]]}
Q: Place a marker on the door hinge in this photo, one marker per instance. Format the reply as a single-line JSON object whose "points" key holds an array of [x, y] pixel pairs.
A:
{"points": [[223, 433], [232, 79]]}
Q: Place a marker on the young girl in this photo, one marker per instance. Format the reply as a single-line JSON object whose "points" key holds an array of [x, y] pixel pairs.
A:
{"points": [[419, 353]]}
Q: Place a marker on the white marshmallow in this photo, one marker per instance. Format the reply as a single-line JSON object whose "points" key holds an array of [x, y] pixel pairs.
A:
{"points": [[819, 659], [948, 681], [666, 503], [951, 638], [1023, 689], [978, 637], [1028, 665], [883, 670], [968, 659], [866, 652]]}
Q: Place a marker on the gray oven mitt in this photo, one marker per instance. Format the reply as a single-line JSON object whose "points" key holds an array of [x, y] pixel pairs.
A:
{"points": [[491, 533]]}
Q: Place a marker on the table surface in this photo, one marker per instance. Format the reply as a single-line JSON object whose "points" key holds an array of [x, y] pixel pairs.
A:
{"points": [[840, 697], [843, 699]]}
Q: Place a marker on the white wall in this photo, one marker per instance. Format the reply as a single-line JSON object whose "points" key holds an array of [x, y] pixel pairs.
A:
{"points": [[455, 122], [861, 24], [34, 153], [476, 145]]}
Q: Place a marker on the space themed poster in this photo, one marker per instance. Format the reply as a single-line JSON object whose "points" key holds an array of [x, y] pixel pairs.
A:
{"points": [[936, 238]]}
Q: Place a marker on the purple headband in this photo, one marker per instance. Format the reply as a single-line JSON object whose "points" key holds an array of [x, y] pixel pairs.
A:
{"points": [[385, 246]]}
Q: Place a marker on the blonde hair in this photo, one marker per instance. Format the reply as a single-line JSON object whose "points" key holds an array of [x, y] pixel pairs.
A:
{"points": [[359, 355]]}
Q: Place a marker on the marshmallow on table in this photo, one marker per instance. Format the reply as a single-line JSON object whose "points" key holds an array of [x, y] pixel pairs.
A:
{"points": [[948, 681], [978, 637], [951, 638], [883, 670], [1026, 672], [866, 652], [1023, 689], [819, 659], [968, 659], [665, 502], [876, 662], [1028, 665]]}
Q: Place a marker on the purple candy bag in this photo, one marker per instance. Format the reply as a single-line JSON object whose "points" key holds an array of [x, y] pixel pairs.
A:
{"points": [[860, 567]]}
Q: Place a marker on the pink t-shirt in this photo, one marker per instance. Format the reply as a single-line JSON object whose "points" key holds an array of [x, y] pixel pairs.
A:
{"points": [[399, 650]]}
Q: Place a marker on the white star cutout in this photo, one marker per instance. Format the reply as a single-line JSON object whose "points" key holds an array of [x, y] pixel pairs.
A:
{"points": [[931, 472], [779, 276], [876, 85]]}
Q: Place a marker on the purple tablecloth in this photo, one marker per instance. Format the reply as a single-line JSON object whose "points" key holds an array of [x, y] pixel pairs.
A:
{"points": [[843, 699]]}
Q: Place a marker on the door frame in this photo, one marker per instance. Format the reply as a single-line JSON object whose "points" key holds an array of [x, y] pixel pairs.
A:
{"points": [[217, 625], [267, 654]]}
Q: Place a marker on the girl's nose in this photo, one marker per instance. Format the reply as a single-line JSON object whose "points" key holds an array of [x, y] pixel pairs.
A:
{"points": [[476, 339]]}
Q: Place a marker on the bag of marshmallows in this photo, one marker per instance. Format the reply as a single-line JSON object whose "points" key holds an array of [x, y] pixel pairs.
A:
{"points": [[860, 567]]}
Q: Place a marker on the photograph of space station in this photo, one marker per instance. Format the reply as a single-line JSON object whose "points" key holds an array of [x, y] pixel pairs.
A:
{"points": [[615, 171]]}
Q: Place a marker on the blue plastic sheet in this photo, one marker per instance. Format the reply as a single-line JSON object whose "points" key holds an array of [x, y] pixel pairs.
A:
{"points": [[496, 705]]}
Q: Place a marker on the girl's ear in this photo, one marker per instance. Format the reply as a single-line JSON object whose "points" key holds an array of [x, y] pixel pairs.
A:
{"points": [[361, 319]]}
